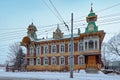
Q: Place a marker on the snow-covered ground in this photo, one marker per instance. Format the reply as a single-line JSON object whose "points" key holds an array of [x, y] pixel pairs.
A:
{"points": [[2, 69], [82, 75]]}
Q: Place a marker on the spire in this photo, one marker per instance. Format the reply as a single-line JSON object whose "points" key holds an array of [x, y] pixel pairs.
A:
{"points": [[91, 8], [57, 26], [58, 29], [32, 23]]}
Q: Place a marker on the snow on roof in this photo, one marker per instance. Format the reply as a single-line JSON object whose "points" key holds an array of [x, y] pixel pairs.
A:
{"points": [[64, 37]]}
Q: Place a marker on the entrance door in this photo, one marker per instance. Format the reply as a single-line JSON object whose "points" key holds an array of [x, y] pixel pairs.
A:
{"points": [[91, 61]]}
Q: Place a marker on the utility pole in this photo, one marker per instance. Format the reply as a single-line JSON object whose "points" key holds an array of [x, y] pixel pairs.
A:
{"points": [[71, 53]]}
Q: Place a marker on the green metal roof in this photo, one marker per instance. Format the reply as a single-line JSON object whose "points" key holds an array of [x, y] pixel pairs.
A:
{"points": [[91, 14], [95, 28]]}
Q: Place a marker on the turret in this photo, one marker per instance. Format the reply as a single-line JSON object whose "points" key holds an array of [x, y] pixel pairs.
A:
{"points": [[32, 31], [91, 19], [57, 34]]}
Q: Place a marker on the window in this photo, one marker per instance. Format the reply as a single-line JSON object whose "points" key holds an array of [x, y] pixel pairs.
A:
{"points": [[81, 60], [85, 45], [54, 49], [69, 47], [53, 61], [45, 49], [96, 47], [80, 46], [31, 51], [31, 62], [38, 61], [91, 45], [46, 61], [38, 50], [62, 60], [62, 48], [69, 60]]}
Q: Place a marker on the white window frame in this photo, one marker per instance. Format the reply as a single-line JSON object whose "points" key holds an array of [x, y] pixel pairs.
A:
{"points": [[53, 46], [38, 50], [91, 48], [81, 62], [79, 45], [96, 40], [69, 47], [46, 58], [53, 60], [61, 62], [46, 51], [31, 61], [62, 50], [31, 50], [38, 62]]}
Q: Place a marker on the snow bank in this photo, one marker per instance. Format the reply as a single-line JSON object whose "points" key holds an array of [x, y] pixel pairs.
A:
{"points": [[2, 69], [82, 75]]}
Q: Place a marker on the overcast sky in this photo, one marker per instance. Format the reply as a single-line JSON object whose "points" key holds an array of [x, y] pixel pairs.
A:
{"points": [[17, 15]]}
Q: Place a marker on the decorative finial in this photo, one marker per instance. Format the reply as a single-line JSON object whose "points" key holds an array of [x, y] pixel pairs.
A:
{"points": [[32, 22], [91, 7], [79, 31]]}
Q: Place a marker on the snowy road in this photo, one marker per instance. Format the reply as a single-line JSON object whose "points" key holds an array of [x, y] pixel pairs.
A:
{"points": [[55, 76], [82, 75], [12, 78]]}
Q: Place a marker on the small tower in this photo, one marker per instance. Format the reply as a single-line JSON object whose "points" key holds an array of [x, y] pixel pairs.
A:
{"points": [[32, 31], [57, 34], [91, 18]]}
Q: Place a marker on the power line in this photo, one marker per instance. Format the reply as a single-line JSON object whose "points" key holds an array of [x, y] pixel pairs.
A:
{"points": [[54, 25], [109, 15], [51, 10], [59, 14], [56, 10], [43, 30], [110, 23], [108, 8], [117, 4], [99, 17]]}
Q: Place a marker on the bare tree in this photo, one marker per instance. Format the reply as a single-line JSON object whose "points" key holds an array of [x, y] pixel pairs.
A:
{"points": [[16, 56], [113, 45], [13, 51], [105, 55]]}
